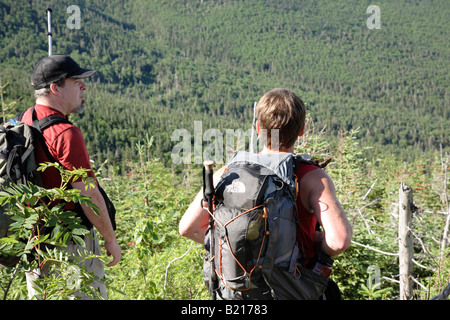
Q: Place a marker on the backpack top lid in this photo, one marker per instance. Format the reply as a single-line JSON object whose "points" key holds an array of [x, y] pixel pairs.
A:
{"points": [[279, 163]]}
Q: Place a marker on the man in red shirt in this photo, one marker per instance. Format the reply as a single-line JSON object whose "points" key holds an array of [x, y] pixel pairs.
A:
{"points": [[59, 91], [317, 202]]}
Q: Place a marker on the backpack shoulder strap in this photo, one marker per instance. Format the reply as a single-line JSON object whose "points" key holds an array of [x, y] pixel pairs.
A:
{"points": [[43, 123], [50, 120], [40, 125], [306, 158]]}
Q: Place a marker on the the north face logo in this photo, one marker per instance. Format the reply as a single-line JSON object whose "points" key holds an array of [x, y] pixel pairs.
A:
{"points": [[235, 187]]}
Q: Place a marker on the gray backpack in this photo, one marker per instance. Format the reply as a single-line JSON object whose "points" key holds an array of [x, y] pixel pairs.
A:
{"points": [[255, 253]]}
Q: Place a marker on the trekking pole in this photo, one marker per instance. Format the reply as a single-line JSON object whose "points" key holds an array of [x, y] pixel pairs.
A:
{"points": [[252, 137], [208, 196], [49, 27], [208, 186]]}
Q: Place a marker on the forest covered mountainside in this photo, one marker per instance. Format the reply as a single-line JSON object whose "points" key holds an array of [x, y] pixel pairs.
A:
{"points": [[165, 64]]}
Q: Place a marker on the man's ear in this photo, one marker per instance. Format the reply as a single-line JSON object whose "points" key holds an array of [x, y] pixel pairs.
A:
{"points": [[258, 129], [54, 88]]}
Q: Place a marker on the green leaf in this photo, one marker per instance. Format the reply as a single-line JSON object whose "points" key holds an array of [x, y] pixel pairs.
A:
{"points": [[138, 240], [8, 240], [42, 238], [56, 232], [30, 245], [80, 231], [66, 237], [79, 241]]}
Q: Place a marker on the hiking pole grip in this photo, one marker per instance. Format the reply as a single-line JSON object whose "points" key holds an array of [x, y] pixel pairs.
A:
{"points": [[208, 185]]}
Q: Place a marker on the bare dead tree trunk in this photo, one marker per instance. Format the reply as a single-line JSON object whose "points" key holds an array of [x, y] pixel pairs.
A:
{"points": [[445, 237], [405, 241]]}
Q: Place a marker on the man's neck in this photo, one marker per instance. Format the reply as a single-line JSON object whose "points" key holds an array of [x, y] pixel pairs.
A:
{"points": [[268, 150], [49, 103]]}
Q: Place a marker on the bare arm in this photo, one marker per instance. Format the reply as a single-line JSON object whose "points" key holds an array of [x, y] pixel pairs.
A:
{"points": [[319, 196], [102, 221], [195, 220]]}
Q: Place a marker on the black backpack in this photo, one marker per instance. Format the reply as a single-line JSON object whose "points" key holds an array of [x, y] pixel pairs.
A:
{"points": [[255, 253], [17, 162]]}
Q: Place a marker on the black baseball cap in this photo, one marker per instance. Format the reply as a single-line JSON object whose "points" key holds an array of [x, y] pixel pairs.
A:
{"points": [[57, 67]]}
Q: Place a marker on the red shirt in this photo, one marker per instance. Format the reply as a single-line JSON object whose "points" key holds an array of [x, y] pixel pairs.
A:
{"points": [[66, 144], [306, 219]]}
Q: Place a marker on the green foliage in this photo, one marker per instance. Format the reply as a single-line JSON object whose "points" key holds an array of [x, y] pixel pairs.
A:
{"points": [[439, 279], [39, 231], [147, 220], [152, 275], [368, 207], [368, 192], [7, 109], [66, 279], [159, 264], [373, 293]]}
